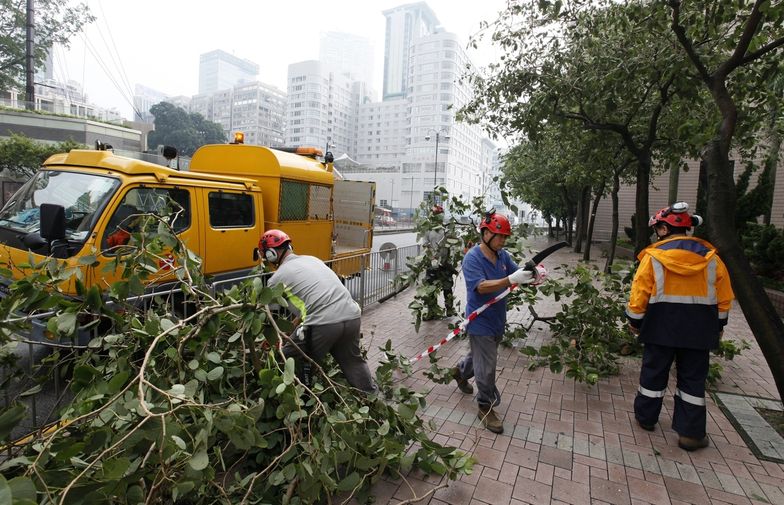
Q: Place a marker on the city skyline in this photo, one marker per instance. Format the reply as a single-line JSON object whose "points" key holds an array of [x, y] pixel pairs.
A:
{"points": [[105, 45]]}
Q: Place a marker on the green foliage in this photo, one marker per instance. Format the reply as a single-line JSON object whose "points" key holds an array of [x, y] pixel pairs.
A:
{"points": [[764, 248], [204, 409], [756, 202], [56, 22], [590, 328], [174, 126], [21, 156]]}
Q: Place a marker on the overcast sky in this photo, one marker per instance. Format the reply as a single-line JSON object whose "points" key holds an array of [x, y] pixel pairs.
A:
{"points": [[158, 43]]}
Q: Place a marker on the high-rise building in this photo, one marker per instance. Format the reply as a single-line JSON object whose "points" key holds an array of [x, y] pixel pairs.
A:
{"points": [[143, 99], [219, 70], [321, 108], [405, 24], [344, 53], [254, 108]]}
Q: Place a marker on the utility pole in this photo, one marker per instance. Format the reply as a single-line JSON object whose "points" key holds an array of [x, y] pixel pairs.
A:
{"points": [[29, 60]]}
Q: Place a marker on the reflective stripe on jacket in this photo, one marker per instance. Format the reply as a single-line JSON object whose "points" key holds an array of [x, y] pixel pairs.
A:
{"points": [[681, 294]]}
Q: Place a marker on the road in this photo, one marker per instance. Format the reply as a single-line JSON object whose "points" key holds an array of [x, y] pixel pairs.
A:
{"points": [[399, 239]]}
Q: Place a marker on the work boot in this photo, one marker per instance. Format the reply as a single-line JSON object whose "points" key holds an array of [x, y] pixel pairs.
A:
{"points": [[490, 419], [462, 384], [646, 427], [692, 444]]}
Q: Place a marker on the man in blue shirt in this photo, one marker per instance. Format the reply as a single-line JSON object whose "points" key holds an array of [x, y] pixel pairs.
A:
{"points": [[488, 270]]}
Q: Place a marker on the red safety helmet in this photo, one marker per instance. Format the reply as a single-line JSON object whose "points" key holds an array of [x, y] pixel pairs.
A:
{"points": [[273, 239], [496, 223], [676, 215]]}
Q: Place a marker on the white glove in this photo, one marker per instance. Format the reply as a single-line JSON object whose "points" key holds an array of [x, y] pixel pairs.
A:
{"points": [[521, 276]]}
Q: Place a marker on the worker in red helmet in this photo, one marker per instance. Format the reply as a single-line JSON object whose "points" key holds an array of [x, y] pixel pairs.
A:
{"points": [[441, 272], [330, 321], [680, 298], [488, 270]]}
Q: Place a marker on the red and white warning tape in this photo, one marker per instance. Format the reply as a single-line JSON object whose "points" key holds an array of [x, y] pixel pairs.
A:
{"points": [[453, 333]]}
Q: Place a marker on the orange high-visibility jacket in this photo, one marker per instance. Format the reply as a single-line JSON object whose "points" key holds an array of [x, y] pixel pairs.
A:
{"points": [[681, 294]]}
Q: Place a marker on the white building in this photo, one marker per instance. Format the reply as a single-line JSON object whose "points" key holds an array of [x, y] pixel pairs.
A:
{"points": [[143, 100], [322, 108], [220, 70], [405, 24], [411, 144], [254, 108]]}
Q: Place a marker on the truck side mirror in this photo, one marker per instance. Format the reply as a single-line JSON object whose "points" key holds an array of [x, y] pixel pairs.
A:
{"points": [[52, 221]]}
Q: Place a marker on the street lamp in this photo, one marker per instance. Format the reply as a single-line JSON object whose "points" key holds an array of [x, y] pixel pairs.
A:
{"points": [[439, 135]]}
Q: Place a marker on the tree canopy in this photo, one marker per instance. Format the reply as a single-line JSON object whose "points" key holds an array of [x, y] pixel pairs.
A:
{"points": [[56, 22], [21, 156], [187, 132]]}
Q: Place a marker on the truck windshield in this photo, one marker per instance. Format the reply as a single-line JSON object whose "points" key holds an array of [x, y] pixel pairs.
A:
{"points": [[79, 194]]}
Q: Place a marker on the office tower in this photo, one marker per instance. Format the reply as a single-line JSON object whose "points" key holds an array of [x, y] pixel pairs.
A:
{"points": [[344, 53], [219, 70], [405, 25]]}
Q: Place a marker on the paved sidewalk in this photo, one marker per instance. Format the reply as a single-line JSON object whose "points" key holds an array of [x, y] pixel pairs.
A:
{"points": [[566, 442]]}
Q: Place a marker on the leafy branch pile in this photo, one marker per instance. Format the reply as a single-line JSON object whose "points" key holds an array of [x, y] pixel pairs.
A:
{"points": [[204, 409], [589, 330]]}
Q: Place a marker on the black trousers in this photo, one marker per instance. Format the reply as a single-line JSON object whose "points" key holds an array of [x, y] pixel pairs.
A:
{"points": [[691, 367]]}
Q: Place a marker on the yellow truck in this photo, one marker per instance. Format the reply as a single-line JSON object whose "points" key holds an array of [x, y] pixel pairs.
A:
{"points": [[80, 203]]}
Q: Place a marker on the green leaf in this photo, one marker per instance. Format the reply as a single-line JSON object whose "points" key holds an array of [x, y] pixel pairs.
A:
{"points": [[215, 374], [350, 482], [66, 323], [114, 469], [179, 442], [405, 411], [23, 490], [384, 428], [288, 373], [10, 418], [199, 461]]}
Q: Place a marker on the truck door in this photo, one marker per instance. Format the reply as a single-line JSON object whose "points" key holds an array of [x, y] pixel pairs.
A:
{"points": [[232, 232], [129, 216], [352, 205]]}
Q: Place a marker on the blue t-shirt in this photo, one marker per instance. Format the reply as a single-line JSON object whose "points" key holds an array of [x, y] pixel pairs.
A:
{"points": [[477, 268]]}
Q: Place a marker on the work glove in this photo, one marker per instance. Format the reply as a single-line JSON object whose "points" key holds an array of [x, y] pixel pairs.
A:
{"points": [[522, 276]]}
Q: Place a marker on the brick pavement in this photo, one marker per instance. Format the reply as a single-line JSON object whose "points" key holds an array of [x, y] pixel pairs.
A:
{"points": [[566, 442]]}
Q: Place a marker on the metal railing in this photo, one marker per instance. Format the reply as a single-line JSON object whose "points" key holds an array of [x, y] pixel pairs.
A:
{"points": [[41, 382]]}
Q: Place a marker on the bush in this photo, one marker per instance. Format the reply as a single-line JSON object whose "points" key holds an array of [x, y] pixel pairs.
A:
{"points": [[764, 247]]}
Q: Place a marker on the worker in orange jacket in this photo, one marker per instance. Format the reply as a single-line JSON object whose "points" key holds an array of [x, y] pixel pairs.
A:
{"points": [[679, 302]]}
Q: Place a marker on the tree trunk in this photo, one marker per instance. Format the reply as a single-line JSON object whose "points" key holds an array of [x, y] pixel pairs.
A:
{"points": [[763, 320], [583, 201], [772, 161], [675, 175], [641, 211], [614, 232], [592, 221]]}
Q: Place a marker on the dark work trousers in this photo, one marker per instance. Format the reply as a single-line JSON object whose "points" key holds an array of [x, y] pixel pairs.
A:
{"points": [[342, 341], [480, 363], [691, 365]]}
